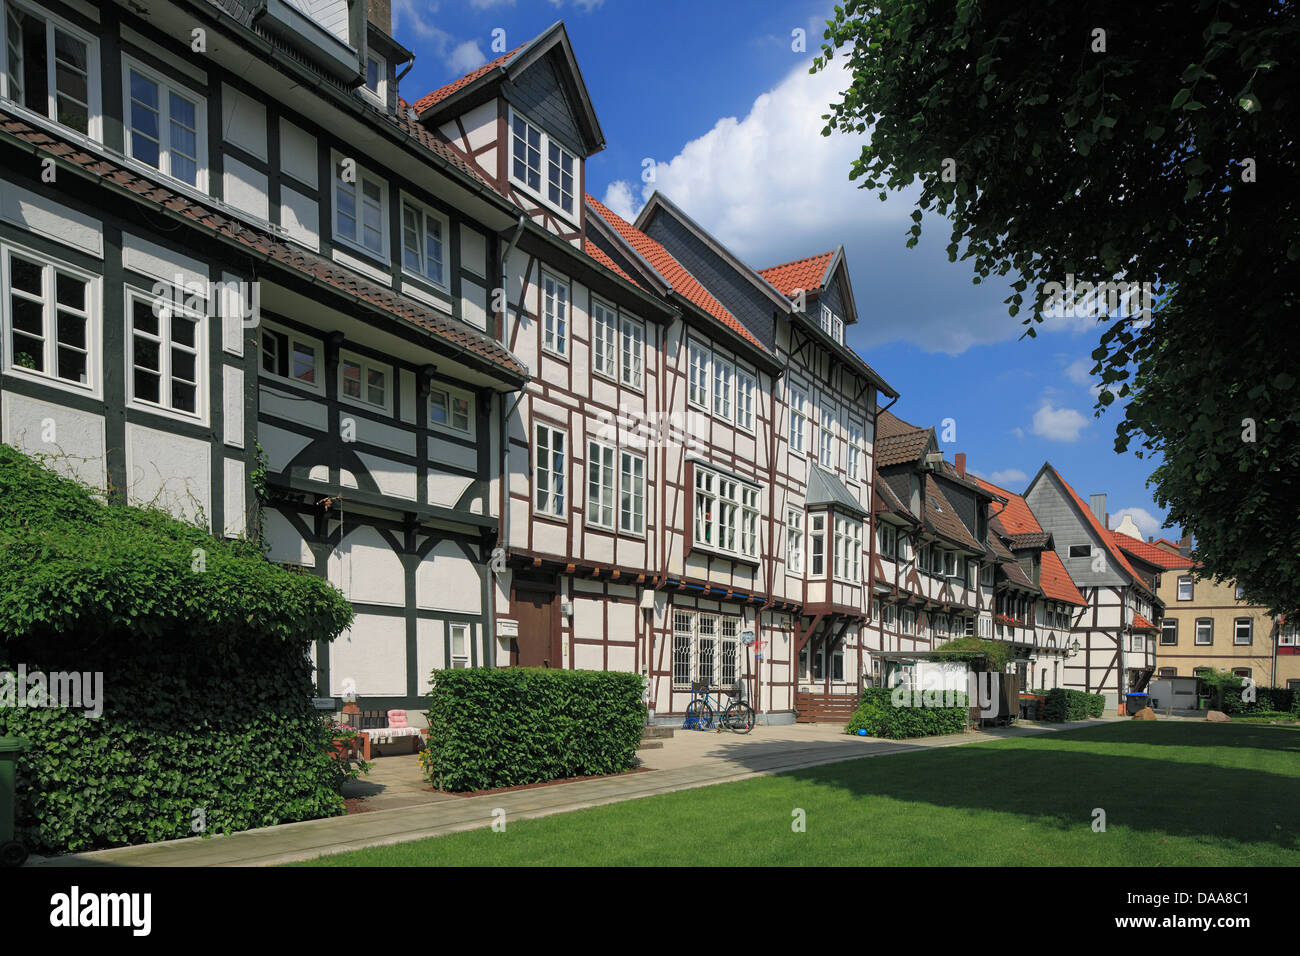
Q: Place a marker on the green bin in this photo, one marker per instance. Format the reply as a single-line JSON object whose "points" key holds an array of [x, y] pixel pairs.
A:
{"points": [[12, 853]]}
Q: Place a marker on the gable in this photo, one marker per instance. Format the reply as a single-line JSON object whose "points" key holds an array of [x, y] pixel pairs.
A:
{"points": [[1055, 510], [538, 93]]}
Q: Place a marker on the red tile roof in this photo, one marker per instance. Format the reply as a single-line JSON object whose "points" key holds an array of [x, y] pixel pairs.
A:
{"points": [[442, 92], [599, 255], [806, 274], [672, 271], [287, 255], [897, 442], [1101, 532], [1015, 517], [1141, 623], [1056, 581], [1150, 553]]}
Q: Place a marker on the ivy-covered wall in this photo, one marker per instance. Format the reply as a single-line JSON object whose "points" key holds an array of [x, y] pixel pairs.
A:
{"points": [[206, 722]]}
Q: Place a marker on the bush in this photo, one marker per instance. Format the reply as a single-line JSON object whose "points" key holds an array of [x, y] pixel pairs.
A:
{"points": [[877, 714], [1063, 704], [207, 723], [1267, 699], [507, 727]]}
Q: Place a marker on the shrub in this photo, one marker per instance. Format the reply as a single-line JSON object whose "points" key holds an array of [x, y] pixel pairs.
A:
{"points": [[1267, 699], [507, 727], [206, 684], [1063, 704], [877, 714]]}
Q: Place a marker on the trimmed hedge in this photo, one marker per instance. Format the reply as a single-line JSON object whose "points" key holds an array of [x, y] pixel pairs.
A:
{"points": [[1063, 704], [1267, 700], [878, 715], [506, 727], [202, 645]]}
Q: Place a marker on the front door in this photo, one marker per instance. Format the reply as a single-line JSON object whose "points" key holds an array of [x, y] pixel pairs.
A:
{"points": [[536, 645]]}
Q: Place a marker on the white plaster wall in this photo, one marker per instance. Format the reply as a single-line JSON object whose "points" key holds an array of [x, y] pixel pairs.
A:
{"points": [[371, 653], [169, 470]]}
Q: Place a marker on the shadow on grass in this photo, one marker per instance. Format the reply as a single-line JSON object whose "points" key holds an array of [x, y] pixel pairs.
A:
{"points": [[1060, 779]]}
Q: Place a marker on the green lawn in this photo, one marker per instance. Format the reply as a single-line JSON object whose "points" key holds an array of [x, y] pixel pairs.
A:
{"points": [[1173, 793]]}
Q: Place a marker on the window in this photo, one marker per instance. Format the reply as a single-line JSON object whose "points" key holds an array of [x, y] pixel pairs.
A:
{"points": [[698, 393], [986, 626], [361, 209], [528, 144], [726, 514], [52, 69], [1239, 593], [1138, 643], [166, 125], [49, 318], [794, 541], [376, 79], [1241, 672], [848, 549], [972, 572], [1169, 632], [451, 409], [600, 485], [826, 455], [904, 547], [424, 234], [459, 646], [745, 389], [631, 489], [798, 417], [1241, 630], [291, 357], [888, 540], [817, 544], [604, 339], [950, 564], [165, 356], [986, 573], [853, 466], [363, 381], [909, 620], [1168, 672], [555, 314], [968, 627], [889, 616], [723, 374], [551, 467], [1185, 588], [1204, 631], [683, 633], [633, 351], [705, 649], [1288, 635], [832, 324], [1080, 550]]}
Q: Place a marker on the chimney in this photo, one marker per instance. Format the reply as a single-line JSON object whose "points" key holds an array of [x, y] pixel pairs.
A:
{"points": [[961, 464], [1098, 505], [1185, 545], [380, 13]]}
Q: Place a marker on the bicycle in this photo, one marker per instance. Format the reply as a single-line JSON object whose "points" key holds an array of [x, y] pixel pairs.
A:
{"points": [[701, 712]]}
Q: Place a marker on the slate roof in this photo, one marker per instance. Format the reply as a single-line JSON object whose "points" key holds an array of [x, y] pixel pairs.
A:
{"points": [[1034, 539], [673, 273], [303, 261], [825, 489], [1018, 525], [887, 499], [806, 274], [941, 517], [1102, 533]]}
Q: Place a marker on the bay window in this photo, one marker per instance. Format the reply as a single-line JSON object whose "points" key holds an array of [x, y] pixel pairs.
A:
{"points": [[726, 513], [817, 544], [794, 541], [848, 549]]}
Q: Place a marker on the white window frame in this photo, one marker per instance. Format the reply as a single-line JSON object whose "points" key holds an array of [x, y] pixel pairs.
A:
{"points": [[557, 501], [853, 460], [166, 84], [458, 661], [727, 507], [94, 106], [367, 365], [797, 398], [1236, 631], [49, 321], [318, 386], [449, 426], [635, 497], [378, 96], [426, 212], [1196, 639], [602, 480], [848, 550], [817, 544], [545, 141], [794, 544], [1186, 579], [724, 388], [888, 540], [605, 346], [165, 346], [631, 353], [832, 324], [556, 324], [384, 253], [746, 392], [699, 390], [826, 437]]}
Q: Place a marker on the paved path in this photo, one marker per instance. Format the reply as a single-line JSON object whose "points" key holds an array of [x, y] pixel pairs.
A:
{"points": [[409, 812]]}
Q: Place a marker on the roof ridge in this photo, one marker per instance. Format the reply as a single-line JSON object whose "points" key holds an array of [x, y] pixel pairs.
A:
{"points": [[434, 97]]}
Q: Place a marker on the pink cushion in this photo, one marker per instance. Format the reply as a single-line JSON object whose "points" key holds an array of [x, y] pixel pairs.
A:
{"points": [[397, 718]]}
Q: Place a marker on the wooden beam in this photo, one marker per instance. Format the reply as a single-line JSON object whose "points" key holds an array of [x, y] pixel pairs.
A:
{"points": [[803, 638]]}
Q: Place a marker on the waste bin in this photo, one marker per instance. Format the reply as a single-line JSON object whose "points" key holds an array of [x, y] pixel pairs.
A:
{"points": [[1136, 701], [12, 853]]}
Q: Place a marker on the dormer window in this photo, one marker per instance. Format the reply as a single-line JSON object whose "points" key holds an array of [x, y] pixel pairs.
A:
{"points": [[832, 324], [377, 79], [529, 148]]}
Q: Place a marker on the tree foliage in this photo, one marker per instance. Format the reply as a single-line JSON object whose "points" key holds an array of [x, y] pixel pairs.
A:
{"points": [[1152, 142]]}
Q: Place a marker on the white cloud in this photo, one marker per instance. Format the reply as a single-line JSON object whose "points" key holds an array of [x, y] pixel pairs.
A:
{"points": [[1147, 523], [1058, 424], [466, 56], [1078, 371], [1011, 476], [772, 188], [620, 199], [1019, 433], [418, 15]]}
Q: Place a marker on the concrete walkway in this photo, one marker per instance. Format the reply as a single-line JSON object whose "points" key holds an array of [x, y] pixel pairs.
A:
{"points": [[403, 810]]}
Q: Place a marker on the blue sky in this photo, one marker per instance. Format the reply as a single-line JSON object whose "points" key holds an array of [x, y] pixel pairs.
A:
{"points": [[717, 97]]}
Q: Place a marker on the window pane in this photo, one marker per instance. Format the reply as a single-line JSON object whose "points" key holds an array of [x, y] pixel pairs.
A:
{"points": [[35, 67], [71, 82], [438, 407], [25, 275], [376, 387], [184, 366], [351, 379], [460, 414], [304, 362]]}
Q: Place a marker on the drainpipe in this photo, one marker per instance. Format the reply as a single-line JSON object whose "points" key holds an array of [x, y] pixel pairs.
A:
{"points": [[505, 434]]}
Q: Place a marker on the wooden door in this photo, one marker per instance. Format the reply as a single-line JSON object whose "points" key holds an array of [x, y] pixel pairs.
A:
{"points": [[537, 644]]}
